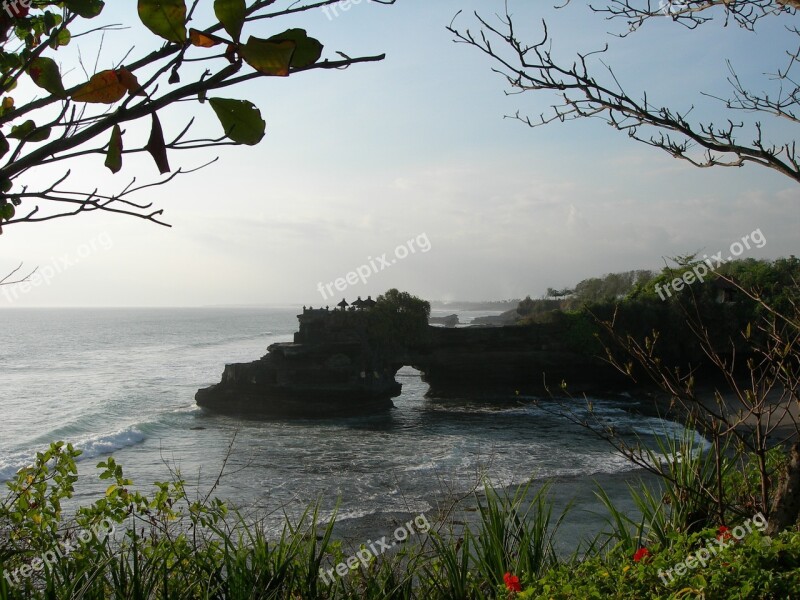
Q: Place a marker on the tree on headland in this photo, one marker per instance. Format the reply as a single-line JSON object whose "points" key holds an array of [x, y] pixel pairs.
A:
{"points": [[554, 293], [609, 287], [53, 115], [588, 88], [398, 320]]}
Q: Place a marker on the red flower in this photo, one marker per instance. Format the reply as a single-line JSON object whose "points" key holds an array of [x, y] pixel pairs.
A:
{"points": [[723, 533], [512, 582], [641, 554]]}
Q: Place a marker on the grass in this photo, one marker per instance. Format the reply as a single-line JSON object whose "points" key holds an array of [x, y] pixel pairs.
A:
{"points": [[169, 547]]}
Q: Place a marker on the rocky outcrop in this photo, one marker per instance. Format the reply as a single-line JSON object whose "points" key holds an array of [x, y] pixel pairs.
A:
{"points": [[508, 359], [334, 368], [448, 321], [329, 370], [509, 317]]}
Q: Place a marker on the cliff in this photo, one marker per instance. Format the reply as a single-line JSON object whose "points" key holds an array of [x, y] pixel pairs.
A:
{"points": [[508, 359], [329, 370], [337, 366]]}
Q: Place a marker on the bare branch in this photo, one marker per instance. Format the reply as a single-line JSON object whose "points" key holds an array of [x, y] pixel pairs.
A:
{"points": [[583, 94], [5, 280]]}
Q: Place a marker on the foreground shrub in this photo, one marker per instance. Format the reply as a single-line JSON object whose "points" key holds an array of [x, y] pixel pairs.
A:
{"points": [[757, 567], [128, 545]]}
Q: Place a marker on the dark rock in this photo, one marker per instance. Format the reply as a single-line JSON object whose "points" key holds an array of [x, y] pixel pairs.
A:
{"points": [[329, 370], [448, 321], [472, 360], [332, 368], [509, 317]]}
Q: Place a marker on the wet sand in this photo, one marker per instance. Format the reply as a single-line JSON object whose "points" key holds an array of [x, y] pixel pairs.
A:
{"points": [[781, 425]]}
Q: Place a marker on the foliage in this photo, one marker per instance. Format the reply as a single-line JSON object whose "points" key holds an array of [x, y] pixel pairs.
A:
{"points": [[774, 281], [672, 505], [608, 288], [676, 503], [169, 546], [758, 567], [630, 299], [514, 538], [742, 483], [50, 114], [611, 287], [397, 321], [581, 332], [529, 308]]}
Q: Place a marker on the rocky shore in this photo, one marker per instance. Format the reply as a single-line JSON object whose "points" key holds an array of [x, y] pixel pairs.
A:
{"points": [[329, 370], [337, 365]]}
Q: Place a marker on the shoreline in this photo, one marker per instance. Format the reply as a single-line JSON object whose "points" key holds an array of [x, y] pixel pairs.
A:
{"points": [[782, 425], [584, 520], [586, 516]]}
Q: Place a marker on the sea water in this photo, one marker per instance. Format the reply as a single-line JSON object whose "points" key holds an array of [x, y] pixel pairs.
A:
{"points": [[122, 382]]}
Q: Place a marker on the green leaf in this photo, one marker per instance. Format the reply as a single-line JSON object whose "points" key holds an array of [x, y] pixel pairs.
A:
{"points": [[9, 60], [44, 72], [62, 39], [29, 132], [8, 211], [308, 50], [85, 8], [165, 18], [114, 154], [270, 58], [4, 147], [50, 21], [231, 14], [240, 119]]}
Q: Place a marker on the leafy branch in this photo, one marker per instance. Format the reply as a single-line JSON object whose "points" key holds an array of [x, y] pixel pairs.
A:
{"points": [[66, 122]]}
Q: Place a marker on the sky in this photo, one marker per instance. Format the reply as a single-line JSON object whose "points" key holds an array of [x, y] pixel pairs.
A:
{"points": [[406, 174]]}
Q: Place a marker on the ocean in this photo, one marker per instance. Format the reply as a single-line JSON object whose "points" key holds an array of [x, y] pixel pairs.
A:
{"points": [[122, 382]]}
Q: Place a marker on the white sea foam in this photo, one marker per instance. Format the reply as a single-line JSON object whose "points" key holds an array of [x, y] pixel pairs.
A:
{"points": [[97, 445], [189, 408], [92, 447]]}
